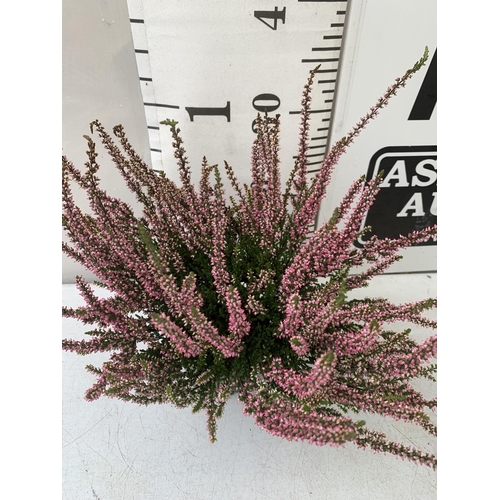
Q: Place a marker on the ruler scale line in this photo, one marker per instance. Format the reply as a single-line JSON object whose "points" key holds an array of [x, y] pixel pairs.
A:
{"points": [[161, 105], [321, 60], [309, 156], [324, 48], [312, 111]]}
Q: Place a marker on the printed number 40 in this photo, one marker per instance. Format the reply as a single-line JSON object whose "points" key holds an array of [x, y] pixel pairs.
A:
{"points": [[275, 14]]}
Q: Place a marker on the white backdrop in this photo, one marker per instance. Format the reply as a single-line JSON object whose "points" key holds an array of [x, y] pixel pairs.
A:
{"points": [[203, 53], [99, 82]]}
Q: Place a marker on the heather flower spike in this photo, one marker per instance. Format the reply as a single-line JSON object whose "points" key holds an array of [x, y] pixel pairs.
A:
{"points": [[213, 297]]}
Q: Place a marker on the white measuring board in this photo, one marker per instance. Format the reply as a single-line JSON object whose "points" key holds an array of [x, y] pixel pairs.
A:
{"points": [[212, 66]]}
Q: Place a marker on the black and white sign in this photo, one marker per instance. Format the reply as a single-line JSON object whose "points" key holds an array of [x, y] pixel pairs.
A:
{"points": [[407, 200]]}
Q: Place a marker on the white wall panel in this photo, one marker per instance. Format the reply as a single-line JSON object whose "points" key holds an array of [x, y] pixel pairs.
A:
{"points": [[99, 82]]}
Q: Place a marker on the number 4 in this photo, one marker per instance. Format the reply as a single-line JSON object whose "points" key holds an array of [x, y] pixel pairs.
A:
{"points": [[271, 14]]}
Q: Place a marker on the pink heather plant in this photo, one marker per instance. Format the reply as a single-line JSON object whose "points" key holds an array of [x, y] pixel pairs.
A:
{"points": [[211, 299]]}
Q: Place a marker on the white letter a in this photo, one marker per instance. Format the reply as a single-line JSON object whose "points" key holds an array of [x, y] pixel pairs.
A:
{"points": [[398, 172], [416, 204]]}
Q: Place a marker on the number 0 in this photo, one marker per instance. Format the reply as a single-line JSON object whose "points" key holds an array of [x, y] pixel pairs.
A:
{"points": [[273, 105]]}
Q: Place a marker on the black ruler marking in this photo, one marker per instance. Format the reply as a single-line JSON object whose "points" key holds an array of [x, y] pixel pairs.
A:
{"points": [[331, 80], [310, 156], [333, 59], [160, 105], [141, 51], [156, 150], [313, 171], [144, 79], [312, 111], [141, 21], [154, 128]]}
